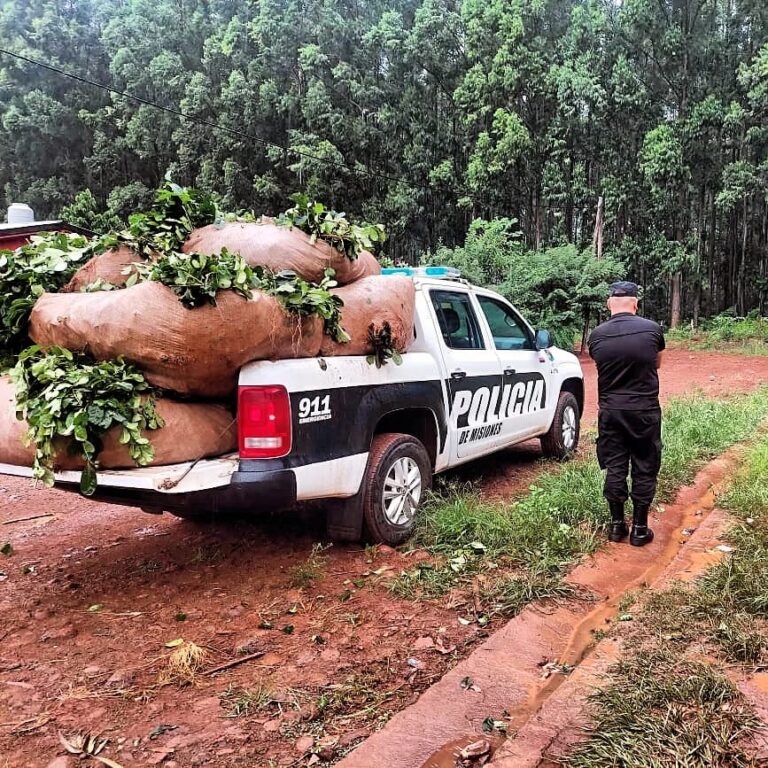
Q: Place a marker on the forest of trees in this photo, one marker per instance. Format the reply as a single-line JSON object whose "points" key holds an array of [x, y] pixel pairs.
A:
{"points": [[425, 115]]}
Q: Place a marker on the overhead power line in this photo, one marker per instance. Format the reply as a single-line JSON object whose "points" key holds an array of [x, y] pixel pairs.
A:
{"points": [[203, 122]]}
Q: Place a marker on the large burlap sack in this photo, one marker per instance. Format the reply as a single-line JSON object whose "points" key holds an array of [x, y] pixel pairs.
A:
{"points": [[265, 244], [369, 304], [192, 431], [194, 352], [107, 266], [12, 448]]}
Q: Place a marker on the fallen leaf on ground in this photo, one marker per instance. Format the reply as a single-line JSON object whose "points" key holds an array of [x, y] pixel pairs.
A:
{"points": [[86, 745], [440, 648]]}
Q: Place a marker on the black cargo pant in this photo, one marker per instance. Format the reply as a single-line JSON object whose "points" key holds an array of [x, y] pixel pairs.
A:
{"points": [[624, 438]]}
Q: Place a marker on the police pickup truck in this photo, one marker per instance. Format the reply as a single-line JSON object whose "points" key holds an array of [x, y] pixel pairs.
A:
{"points": [[368, 440]]}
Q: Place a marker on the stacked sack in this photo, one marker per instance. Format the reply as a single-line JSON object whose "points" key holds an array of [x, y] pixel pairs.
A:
{"points": [[197, 353]]}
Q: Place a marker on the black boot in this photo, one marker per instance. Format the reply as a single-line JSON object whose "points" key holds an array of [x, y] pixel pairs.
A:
{"points": [[641, 534], [619, 530]]}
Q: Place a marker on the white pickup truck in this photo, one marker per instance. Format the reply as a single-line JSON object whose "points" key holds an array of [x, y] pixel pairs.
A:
{"points": [[477, 379]]}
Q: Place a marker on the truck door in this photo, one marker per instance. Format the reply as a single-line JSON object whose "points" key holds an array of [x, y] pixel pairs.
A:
{"points": [[526, 401], [473, 374]]}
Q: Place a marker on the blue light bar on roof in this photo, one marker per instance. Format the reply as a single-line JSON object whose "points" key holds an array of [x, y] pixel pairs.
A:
{"points": [[445, 273]]}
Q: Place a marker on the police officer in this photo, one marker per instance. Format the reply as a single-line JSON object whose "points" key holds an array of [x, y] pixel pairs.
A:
{"points": [[627, 350]]}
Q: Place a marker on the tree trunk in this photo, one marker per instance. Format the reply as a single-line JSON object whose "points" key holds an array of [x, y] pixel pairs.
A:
{"points": [[597, 237], [741, 280], [713, 304], [677, 280], [585, 332], [699, 259], [569, 199], [537, 217]]}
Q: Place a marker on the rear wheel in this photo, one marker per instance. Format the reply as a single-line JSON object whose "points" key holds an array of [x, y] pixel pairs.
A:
{"points": [[562, 440], [398, 476]]}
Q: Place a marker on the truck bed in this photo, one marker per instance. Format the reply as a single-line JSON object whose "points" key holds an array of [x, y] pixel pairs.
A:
{"points": [[170, 479]]}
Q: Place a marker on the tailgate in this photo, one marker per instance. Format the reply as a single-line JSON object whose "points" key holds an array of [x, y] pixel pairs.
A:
{"points": [[171, 479]]}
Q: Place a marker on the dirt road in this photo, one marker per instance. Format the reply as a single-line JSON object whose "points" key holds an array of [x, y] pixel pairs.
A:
{"points": [[90, 596]]}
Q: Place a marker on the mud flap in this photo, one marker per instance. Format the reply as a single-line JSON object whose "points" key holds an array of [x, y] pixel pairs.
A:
{"points": [[344, 518]]}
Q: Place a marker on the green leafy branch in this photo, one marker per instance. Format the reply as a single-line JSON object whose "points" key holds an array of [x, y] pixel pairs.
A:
{"points": [[196, 278], [304, 298], [316, 220], [45, 264], [64, 396], [176, 211]]}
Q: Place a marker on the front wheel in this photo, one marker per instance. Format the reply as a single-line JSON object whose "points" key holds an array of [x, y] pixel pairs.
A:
{"points": [[562, 440], [398, 476]]}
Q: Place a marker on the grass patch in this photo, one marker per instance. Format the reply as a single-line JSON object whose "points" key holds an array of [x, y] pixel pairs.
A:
{"points": [[508, 594], [304, 573], [563, 516], [665, 711], [697, 429], [242, 702], [725, 333]]}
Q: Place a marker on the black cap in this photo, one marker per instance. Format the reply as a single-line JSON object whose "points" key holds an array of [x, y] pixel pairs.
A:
{"points": [[623, 288]]}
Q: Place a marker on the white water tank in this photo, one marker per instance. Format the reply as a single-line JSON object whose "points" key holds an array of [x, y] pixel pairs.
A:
{"points": [[20, 213]]}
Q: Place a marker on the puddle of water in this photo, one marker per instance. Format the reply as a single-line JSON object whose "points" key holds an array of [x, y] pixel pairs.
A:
{"points": [[448, 756]]}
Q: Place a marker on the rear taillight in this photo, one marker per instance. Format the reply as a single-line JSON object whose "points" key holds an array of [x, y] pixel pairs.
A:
{"points": [[263, 422]]}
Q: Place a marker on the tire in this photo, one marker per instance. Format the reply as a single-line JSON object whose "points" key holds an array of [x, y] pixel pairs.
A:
{"points": [[562, 440], [391, 455]]}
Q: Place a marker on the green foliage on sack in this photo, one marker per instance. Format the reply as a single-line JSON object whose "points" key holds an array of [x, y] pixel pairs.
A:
{"points": [[196, 278], [316, 220], [46, 263], [175, 212], [69, 400], [304, 298]]}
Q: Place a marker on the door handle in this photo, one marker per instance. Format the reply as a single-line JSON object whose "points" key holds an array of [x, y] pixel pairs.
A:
{"points": [[509, 371], [456, 375]]}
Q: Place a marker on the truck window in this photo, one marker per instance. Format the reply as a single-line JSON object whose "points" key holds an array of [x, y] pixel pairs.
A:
{"points": [[457, 320], [507, 329]]}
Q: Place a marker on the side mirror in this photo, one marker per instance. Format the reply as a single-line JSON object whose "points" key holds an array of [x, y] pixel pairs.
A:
{"points": [[544, 339]]}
